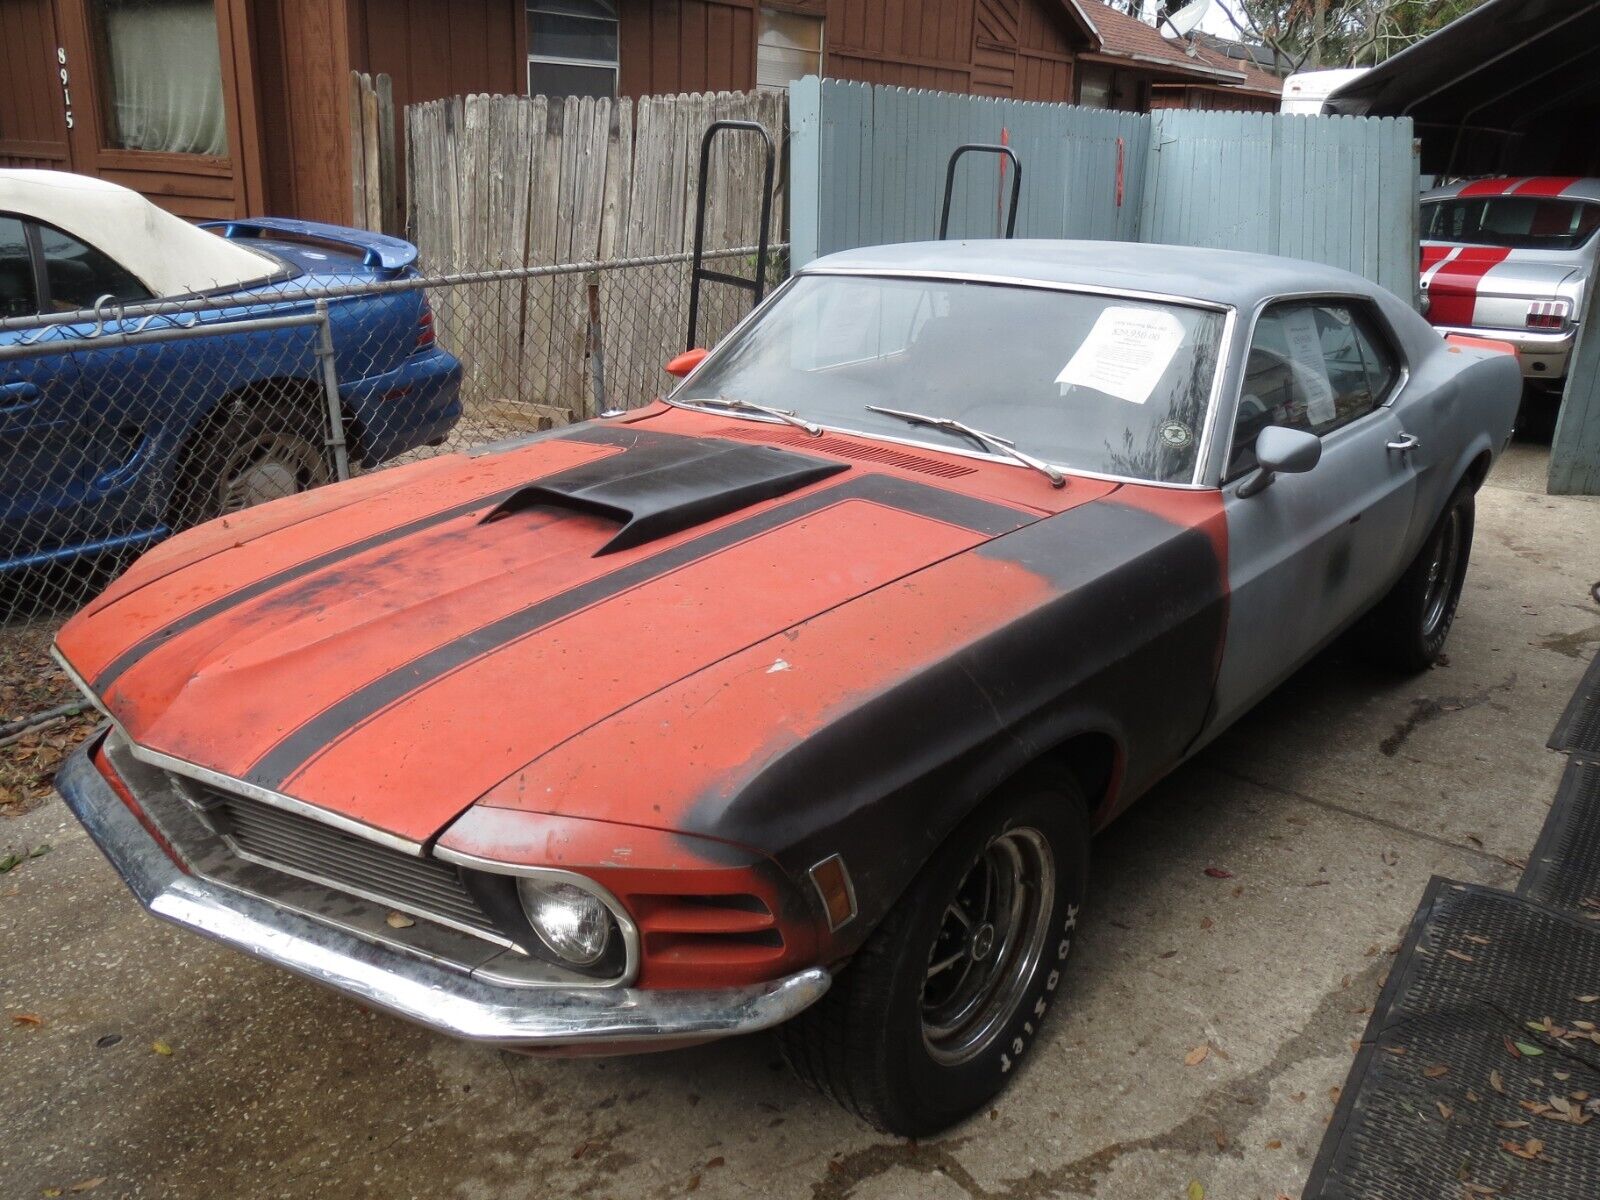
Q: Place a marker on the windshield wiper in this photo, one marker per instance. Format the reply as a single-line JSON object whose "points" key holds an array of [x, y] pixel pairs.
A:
{"points": [[729, 404], [986, 440]]}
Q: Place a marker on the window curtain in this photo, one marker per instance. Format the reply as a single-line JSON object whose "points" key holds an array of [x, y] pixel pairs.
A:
{"points": [[165, 76]]}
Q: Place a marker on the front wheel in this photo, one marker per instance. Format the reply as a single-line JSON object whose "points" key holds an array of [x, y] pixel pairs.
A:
{"points": [[1408, 628], [944, 1002]]}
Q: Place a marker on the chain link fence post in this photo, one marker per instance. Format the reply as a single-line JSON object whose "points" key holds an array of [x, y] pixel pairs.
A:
{"points": [[596, 347], [330, 388]]}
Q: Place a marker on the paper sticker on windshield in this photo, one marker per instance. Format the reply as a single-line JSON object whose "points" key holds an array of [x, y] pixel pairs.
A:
{"points": [[1126, 353], [1311, 368]]}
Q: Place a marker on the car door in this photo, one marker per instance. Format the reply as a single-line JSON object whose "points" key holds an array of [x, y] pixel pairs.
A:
{"points": [[37, 395], [1312, 551], [118, 407]]}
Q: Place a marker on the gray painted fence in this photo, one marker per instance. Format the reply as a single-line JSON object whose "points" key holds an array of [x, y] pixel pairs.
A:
{"points": [[867, 166], [1575, 453], [1337, 190], [868, 163]]}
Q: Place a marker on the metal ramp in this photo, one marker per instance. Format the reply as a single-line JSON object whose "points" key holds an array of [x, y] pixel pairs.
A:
{"points": [[1479, 1071]]}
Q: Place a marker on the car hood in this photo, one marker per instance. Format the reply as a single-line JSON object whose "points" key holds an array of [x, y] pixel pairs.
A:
{"points": [[391, 649]]}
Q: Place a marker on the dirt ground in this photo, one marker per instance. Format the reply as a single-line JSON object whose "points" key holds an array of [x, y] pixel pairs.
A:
{"points": [[149, 1062], [31, 682]]}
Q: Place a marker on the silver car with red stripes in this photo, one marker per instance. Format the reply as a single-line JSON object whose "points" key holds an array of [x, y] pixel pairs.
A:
{"points": [[1509, 258]]}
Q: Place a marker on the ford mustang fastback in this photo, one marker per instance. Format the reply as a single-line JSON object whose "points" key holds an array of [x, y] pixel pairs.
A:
{"points": [[792, 699], [1509, 258]]}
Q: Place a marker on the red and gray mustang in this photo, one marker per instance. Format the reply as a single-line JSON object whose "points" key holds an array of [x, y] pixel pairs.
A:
{"points": [[796, 697], [1509, 258]]}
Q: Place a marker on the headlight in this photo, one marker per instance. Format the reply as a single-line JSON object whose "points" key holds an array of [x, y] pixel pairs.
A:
{"points": [[574, 923]]}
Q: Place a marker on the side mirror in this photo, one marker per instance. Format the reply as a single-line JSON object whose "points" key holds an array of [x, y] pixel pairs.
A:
{"points": [[1281, 451], [687, 361]]}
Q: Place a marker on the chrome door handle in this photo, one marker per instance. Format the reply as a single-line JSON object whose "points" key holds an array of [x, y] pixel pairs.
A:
{"points": [[1405, 442]]}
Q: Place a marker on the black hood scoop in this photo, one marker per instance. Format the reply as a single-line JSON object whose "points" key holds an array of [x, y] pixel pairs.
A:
{"points": [[664, 483]]}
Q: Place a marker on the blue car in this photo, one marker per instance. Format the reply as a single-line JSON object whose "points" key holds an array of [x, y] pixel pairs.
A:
{"points": [[112, 447]]}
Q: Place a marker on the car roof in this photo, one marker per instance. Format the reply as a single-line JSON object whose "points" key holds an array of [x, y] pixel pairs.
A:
{"points": [[1226, 277], [167, 254], [1566, 187]]}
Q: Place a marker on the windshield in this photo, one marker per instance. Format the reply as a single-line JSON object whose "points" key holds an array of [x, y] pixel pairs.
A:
{"points": [[1520, 222], [1105, 384]]}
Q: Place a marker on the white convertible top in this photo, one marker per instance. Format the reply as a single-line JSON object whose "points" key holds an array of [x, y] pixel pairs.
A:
{"points": [[168, 255]]}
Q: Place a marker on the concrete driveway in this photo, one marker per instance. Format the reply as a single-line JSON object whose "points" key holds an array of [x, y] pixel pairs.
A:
{"points": [[1330, 807]]}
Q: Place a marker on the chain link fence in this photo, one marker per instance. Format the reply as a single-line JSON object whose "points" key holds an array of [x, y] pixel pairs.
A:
{"points": [[123, 425]]}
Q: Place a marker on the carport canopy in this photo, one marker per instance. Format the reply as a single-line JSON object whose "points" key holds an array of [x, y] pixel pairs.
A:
{"points": [[1513, 88]]}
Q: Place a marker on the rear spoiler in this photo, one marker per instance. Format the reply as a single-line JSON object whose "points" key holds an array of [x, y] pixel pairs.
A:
{"points": [[377, 250], [1462, 341]]}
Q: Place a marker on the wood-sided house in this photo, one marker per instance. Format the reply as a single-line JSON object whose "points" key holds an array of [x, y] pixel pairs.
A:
{"points": [[218, 108]]}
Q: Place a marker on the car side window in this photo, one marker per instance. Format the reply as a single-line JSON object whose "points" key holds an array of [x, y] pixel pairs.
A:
{"points": [[1311, 366], [18, 297], [77, 275]]}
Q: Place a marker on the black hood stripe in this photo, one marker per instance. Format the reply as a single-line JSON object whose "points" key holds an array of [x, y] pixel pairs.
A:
{"points": [[296, 749], [215, 608]]}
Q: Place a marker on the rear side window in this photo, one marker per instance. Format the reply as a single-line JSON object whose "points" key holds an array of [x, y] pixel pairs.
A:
{"points": [[17, 297], [77, 275], [1312, 366]]}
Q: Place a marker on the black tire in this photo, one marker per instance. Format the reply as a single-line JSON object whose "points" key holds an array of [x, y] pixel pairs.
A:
{"points": [[883, 1042], [259, 448], [1408, 628]]}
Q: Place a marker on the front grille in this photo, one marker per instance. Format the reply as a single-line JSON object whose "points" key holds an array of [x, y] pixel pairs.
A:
{"points": [[300, 846]]}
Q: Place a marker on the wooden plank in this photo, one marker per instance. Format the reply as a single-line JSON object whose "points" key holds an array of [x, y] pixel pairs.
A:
{"points": [[387, 196]]}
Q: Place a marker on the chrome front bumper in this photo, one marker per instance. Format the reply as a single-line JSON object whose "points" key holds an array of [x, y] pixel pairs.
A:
{"points": [[621, 1020]]}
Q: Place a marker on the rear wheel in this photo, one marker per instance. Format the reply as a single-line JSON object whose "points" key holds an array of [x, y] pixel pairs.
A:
{"points": [[261, 449], [938, 1010], [1408, 628]]}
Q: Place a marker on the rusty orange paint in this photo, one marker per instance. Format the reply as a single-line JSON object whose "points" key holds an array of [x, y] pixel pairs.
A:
{"points": [[383, 774], [713, 729]]}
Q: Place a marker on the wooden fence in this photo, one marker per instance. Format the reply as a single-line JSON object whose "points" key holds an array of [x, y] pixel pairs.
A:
{"points": [[374, 203], [508, 181]]}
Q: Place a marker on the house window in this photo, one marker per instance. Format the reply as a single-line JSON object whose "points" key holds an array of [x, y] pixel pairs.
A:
{"points": [[790, 46], [161, 70], [1094, 85], [572, 48]]}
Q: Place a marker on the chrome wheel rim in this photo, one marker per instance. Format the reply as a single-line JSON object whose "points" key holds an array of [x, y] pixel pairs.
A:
{"points": [[270, 469], [991, 936], [1441, 573]]}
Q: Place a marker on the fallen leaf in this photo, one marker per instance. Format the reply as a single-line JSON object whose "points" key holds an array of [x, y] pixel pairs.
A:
{"points": [[1237, 891], [718, 1161], [1511, 1048], [1476, 940], [1197, 1056], [1472, 1096], [694, 1183], [1168, 954], [1395, 1049], [1206, 922], [1275, 1144], [50, 1192], [87, 1185], [1435, 1071], [1297, 1097], [398, 920], [1496, 1082], [1219, 873], [1587, 999], [1445, 1111], [1529, 1049], [1513, 1124], [161, 1048], [1458, 954], [1221, 1138], [31, 1020], [1334, 1093], [1196, 1190]]}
